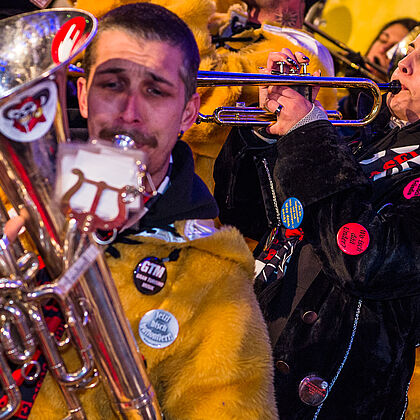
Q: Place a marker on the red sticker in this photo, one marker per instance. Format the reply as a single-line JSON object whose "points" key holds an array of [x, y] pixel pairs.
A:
{"points": [[67, 39], [353, 238], [412, 189]]}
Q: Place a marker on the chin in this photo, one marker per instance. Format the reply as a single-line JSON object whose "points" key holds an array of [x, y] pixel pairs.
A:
{"points": [[397, 107]]}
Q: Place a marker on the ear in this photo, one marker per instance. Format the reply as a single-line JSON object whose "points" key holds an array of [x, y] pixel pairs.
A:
{"points": [[82, 96], [190, 113]]}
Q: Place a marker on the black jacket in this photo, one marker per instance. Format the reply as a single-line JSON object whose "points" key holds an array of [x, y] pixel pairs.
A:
{"points": [[365, 309]]}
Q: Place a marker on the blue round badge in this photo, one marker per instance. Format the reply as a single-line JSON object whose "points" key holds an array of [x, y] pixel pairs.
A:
{"points": [[158, 328], [291, 213]]}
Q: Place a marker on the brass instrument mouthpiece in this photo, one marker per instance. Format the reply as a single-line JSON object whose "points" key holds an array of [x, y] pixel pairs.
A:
{"points": [[394, 87]]}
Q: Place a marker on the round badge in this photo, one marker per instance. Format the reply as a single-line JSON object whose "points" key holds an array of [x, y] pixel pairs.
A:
{"points": [[158, 328], [353, 238], [30, 114], [412, 189], [292, 213], [313, 390], [150, 275], [67, 39]]}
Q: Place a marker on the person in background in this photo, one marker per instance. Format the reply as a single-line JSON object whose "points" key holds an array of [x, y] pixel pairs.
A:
{"points": [[392, 33]]}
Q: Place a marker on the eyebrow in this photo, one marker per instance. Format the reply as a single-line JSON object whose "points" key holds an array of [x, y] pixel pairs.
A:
{"points": [[159, 79], [151, 74], [111, 70]]}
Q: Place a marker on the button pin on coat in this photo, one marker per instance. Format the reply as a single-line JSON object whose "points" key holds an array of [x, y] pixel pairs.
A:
{"points": [[412, 189], [282, 367], [309, 317], [313, 390], [291, 213], [158, 328], [353, 238], [150, 275]]}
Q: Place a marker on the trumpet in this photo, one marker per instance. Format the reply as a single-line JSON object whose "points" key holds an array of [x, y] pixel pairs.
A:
{"points": [[259, 117]]}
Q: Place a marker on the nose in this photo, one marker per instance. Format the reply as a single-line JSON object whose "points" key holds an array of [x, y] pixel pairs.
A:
{"points": [[130, 110], [405, 65]]}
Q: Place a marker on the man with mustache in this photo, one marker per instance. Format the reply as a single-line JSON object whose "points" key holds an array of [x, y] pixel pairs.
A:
{"points": [[190, 300], [339, 270]]}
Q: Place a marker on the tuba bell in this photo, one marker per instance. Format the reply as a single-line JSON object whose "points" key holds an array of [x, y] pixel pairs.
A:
{"points": [[35, 52]]}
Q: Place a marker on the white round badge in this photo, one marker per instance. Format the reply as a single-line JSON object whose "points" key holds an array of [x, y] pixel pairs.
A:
{"points": [[158, 328], [29, 115]]}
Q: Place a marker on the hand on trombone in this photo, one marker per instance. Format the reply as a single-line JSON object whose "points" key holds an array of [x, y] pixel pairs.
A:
{"points": [[289, 105]]}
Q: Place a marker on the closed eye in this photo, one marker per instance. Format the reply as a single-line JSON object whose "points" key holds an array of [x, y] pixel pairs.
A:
{"points": [[112, 85]]}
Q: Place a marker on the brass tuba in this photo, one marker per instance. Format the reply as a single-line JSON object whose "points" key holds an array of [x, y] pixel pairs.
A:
{"points": [[35, 52]]}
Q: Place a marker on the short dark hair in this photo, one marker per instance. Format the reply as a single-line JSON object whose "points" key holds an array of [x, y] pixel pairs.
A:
{"points": [[151, 22]]}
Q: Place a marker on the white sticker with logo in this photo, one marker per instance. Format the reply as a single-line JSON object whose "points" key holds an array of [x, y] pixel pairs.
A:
{"points": [[158, 328], [29, 116]]}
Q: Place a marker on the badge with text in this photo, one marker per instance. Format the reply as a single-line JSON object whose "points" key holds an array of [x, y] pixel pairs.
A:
{"points": [[292, 213], [412, 189], [67, 39], [29, 115], [150, 275], [353, 238], [158, 328], [313, 390]]}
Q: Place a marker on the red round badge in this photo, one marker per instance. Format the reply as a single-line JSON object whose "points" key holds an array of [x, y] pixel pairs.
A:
{"points": [[67, 39], [353, 238], [412, 189]]}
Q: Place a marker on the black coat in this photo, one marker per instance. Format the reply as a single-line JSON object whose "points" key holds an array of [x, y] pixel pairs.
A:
{"points": [[365, 355]]}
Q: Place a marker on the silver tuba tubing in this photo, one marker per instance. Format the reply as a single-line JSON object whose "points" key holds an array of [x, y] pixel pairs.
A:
{"points": [[32, 123]]}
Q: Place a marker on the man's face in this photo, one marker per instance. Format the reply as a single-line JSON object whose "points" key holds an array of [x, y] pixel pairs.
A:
{"points": [[135, 88], [405, 105]]}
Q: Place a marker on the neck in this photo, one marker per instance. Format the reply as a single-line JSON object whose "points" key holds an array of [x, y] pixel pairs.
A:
{"points": [[290, 14]]}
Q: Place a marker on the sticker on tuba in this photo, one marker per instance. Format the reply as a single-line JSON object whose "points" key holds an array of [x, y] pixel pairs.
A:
{"points": [[29, 115], [68, 38]]}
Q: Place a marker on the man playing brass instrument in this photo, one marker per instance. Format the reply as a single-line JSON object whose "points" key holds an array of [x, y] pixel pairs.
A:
{"points": [[339, 273], [190, 300]]}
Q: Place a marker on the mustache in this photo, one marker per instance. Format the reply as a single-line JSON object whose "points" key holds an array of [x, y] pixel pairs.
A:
{"points": [[138, 137]]}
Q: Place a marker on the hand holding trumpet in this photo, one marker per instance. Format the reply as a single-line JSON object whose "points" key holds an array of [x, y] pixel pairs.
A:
{"points": [[289, 105]]}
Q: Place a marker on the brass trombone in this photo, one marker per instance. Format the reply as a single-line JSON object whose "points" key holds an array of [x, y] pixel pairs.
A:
{"points": [[259, 117], [342, 57]]}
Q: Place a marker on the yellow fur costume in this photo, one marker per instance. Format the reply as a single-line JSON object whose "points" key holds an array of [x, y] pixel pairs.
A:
{"points": [[206, 140], [219, 366]]}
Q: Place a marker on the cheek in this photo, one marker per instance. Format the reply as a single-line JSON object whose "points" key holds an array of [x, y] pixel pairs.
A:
{"points": [[373, 51]]}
